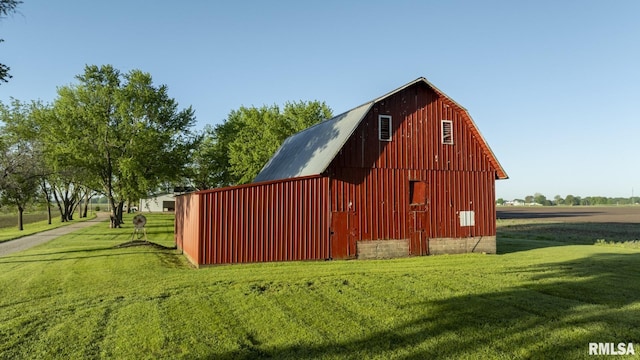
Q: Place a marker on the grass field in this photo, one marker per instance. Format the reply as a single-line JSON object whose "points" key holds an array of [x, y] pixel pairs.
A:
{"points": [[11, 220], [542, 297]]}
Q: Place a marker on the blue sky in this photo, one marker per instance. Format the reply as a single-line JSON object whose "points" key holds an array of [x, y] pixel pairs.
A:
{"points": [[554, 86]]}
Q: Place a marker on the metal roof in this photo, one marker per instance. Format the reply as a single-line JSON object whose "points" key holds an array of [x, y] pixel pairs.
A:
{"points": [[310, 151]]}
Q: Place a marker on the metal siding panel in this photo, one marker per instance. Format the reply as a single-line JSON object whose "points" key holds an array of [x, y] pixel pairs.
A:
{"points": [[268, 222], [293, 249], [273, 236], [238, 241], [277, 211], [273, 222], [188, 219]]}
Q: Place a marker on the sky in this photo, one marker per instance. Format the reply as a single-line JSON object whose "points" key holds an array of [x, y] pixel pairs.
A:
{"points": [[553, 86]]}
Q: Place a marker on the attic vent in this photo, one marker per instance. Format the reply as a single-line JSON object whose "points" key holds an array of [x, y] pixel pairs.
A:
{"points": [[384, 127], [447, 132]]}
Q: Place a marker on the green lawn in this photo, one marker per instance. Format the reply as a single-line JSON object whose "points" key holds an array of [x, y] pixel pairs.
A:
{"points": [[79, 297]]}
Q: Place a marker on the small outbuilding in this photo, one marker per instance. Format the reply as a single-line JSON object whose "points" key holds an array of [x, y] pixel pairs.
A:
{"points": [[404, 174], [158, 203]]}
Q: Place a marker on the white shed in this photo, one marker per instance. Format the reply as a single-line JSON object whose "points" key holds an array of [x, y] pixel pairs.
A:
{"points": [[158, 203]]}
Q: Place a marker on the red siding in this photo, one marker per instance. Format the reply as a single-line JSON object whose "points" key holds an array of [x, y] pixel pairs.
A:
{"points": [[372, 177], [417, 113], [274, 221], [381, 201], [187, 225]]}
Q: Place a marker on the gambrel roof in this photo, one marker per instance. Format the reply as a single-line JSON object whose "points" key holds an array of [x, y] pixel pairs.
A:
{"points": [[309, 152]]}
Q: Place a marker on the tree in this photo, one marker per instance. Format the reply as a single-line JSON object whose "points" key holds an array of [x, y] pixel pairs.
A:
{"points": [[558, 200], [124, 135], [19, 163], [6, 7], [209, 166], [66, 190], [61, 183], [571, 200], [529, 199], [500, 201], [540, 199], [19, 183], [235, 151]]}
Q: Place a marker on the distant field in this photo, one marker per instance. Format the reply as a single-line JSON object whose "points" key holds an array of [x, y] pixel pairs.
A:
{"points": [[554, 226], [572, 214], [543, 297], [11, 220]]}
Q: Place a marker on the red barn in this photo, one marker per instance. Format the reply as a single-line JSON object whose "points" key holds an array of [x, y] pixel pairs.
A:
{"points": [[405, 174]]}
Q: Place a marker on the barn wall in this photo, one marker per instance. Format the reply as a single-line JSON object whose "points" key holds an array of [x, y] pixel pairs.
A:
{"points": [[275, 221], [380, 198], [372, 177], [188, 218], [416, 144]]}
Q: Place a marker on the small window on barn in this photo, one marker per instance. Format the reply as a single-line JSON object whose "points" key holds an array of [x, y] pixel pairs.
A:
{"points": [[447, 132], [384, 127]]}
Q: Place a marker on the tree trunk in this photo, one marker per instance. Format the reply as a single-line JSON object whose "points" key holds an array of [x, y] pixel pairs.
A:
{"points": [[69, 207], [113, 217], [86, 204], [20, 222], [120, 209], [45, 191], [116, 212], [63, 217]]}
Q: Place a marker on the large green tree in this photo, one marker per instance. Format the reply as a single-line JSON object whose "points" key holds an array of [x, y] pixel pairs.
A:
{"points": [[64, 184], [538, 198], [6, 7], [126, 135], [20, 161], [235, 151], [209, 166]]}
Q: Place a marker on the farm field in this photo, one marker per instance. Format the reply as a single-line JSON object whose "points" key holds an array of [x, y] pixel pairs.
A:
{"points": [[553, 226], [547, 294], [580, 214], [11, 220]]}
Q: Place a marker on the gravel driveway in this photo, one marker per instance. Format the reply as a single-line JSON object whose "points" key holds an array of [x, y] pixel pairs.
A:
{"points": [[29, 241]]}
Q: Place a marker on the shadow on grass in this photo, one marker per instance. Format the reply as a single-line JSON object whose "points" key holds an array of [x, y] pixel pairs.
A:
{"points": [[137, 243], [12, 259], [166, 257], [528, 236], [555, 312]]}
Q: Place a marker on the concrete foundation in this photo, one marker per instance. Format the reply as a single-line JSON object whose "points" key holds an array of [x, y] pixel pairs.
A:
{"points": [[382, 249], [478, 244], [388, 249]]}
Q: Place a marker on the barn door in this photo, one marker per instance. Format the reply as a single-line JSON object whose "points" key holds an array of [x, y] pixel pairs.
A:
{"points": [[344, 231], [417, 226], [419, 243]]}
